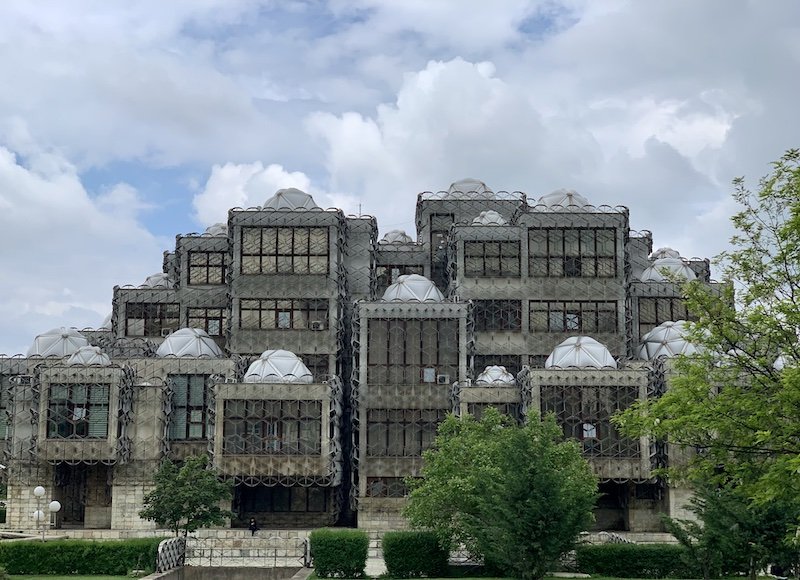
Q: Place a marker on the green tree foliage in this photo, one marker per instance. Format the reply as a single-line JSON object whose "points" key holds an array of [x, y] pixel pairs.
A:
{"points": [[517, 496], [186, 497], [730, 403]]}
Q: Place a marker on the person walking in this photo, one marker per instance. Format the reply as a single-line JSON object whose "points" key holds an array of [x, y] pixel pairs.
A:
{"points": [[253, 526]]}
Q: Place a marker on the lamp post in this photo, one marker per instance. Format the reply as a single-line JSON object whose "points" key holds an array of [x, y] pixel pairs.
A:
{"points": [[39, 515]]}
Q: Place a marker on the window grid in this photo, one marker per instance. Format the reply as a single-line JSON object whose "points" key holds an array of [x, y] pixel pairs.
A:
{"points": [[266, 427], [282, 313], [578, 316], [78, 411], [497, 315], [572, 252], [212, 320], [188, 420], [402, 432], [207, 268], [274, 250], [655, 311], [388, 274], [513, 410], [151, 319], [387, 487], [280, 499], [491, 259]]}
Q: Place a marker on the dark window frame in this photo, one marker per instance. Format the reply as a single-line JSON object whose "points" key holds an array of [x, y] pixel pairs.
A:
{"points": [[208, 319], [578, 316], [272, 427], [492, 259], [283, 313], [284, 250], [497, 315], [189, 408], [70, 416], [207, 268], [572, 253], [157, 316], [402, 432]]}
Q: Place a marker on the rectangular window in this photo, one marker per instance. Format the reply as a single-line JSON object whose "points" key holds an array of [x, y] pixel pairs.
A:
{"points": [[212, 320], [151, 319], [402, 432], [388, 275], [386, 487], [584, 413], [272, 427], [513, 410], [188, 419], [410, 352], [207, 268], [78, 411], [283, 314], [284, 250], [575, 317], [654, 311], [498, 315], [491, 259], [261, 499], [572, 252]]}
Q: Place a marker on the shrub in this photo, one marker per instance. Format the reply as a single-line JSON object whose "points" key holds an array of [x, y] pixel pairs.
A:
{"points": [[635, 561], [414, 554], [339, 553], [85, 557]]}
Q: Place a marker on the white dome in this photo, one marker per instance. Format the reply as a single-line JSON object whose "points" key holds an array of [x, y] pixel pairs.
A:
{"points": [[475, 188], [582, 352], [781, 362], [278, 366], [489, 218], [566, 198], [666, 340], [665, 268], [158, 280], [218, 229], [290, 198], [106, 323], [57, 342], [495, 375], [396, 237], [412, 288], [664, 253], [89, 355], [189, 342]]}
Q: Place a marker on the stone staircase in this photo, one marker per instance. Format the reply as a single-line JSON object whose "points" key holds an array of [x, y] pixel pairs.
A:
{"points": [[238, 549]]}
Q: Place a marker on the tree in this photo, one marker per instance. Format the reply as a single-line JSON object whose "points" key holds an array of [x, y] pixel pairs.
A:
{"points": [[186, 497], [517, 496]]}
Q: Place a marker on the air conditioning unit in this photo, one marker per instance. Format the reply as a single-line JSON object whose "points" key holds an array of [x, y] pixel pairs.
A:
{"points": [[317, 325], [442, 379], [165, 332]]}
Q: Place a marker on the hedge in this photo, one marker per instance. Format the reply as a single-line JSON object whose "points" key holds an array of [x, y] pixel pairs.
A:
{"points": [[636, 561], [339, 553], [65, 557], [414, 554]]}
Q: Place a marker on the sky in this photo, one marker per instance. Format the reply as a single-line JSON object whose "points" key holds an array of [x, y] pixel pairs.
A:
{"points": [[124, 124]]}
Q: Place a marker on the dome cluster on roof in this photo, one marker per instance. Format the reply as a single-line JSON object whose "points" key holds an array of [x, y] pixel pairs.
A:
{"points": [[664, 253], [412, 288], [582, 352], [666, 340], [396, 237], [189, 342], [278, 366], [474, 188], [89, 355], [216, 230], [563, 198], [665, 269], [290, 198], [158, 280], [59, 342], [489, 218], [495, 375]]}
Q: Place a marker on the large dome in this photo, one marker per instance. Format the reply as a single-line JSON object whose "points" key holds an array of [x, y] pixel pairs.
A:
{"points": [[59, 342], [189, 342], [278, 366], [664, 253], [489, 218], [290, 198], [581, 352], [89, 355], [412, 288], [106, 323], [666, 340], [664, 269], [474, 188], [158, 280], [218, 229], [495, 375], [396, 237], [563, 198]]}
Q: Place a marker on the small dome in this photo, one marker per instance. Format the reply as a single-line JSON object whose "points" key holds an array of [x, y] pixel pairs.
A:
{"points": [[89, 355], [189, 342], [396, 237], [664, 253], [666, 340], [158, 280], [290, 198], [412, 288], [581, 352], [106, 323], [59, 342], [278, 366], [489, 218], [563, 198], [781, 362], [495, 375], [665, 268], [217, 230], [468, 189]]}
